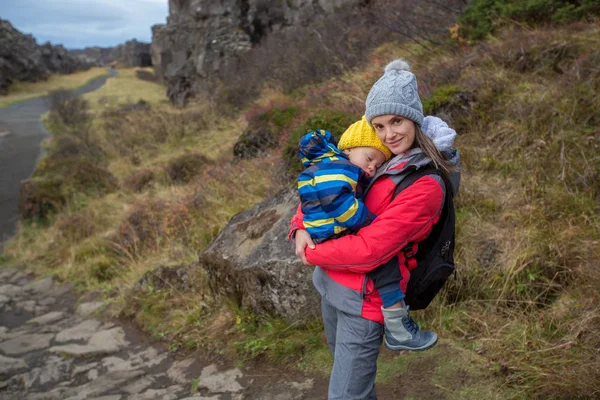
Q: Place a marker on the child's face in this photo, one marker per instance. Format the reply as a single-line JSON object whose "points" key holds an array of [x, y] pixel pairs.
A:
{"points": [[366, 158], [396, 132]]}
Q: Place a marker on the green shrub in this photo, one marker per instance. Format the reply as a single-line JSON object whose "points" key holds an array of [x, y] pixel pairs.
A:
{"points": [[482, 17], [452, 104], [70, 146], [77, 175], [67, 109], [40, 198], [263, 131], [151, 225], [56, 180], [257, 137], [103, 269], [75, 227], [334, 121], [139, 180], [183, 168], [65, 146], [441, 96], [281, 116]]}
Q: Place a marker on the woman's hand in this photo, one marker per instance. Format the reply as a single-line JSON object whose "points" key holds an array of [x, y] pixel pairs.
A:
{"points": [[303, 239]]}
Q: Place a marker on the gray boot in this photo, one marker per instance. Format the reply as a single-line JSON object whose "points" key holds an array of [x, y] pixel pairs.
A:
{"points": [[402, 333]]}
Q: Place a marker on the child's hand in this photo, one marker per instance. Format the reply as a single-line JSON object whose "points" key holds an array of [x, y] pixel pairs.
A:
{"points": [[303, 239]]}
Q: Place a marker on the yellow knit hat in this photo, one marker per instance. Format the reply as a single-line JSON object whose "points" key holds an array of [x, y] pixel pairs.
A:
{"points": [[361, 134]]}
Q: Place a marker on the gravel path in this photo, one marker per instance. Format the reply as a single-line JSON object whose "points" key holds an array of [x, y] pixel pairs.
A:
{"points": [[21, 134]]}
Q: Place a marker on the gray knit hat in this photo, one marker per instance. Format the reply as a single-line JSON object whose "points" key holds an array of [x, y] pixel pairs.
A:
{"points": [[395, 93]]}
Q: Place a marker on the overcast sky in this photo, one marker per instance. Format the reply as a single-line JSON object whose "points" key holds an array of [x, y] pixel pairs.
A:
{"points": [[82, 23]]}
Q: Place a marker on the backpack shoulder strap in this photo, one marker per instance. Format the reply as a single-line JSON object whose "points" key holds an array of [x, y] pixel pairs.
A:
{"points": [[413, 176], [447, 217]]}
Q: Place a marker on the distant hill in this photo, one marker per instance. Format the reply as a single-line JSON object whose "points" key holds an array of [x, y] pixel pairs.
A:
{"points": [[132, 54]]}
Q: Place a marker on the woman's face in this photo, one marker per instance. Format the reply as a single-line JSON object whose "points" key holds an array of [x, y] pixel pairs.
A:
{"points": [[396, 132]]}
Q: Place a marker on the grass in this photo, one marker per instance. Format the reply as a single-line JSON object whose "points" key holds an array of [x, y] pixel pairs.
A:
{"points": [[521, 320], [482, 17], [126, 88], [21, 91], [446, 371]]}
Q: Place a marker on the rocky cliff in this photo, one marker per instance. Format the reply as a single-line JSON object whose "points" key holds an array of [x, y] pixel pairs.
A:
{"points": [[202, 36], [22, 59], [204, 40], [133, 54]]}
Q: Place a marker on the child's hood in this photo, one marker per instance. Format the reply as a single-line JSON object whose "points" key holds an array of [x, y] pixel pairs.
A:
{"points": [[442, 136], [318, 146]]}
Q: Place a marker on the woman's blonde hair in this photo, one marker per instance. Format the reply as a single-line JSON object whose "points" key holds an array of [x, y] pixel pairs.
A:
{"points": [[430, 150]]}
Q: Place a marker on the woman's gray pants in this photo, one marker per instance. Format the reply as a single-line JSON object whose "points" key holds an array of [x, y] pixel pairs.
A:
{"points": [[354, 343]]}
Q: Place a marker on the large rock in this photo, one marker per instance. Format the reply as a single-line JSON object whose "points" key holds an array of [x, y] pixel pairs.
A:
{"points": [[253, 262], [22, 59]]}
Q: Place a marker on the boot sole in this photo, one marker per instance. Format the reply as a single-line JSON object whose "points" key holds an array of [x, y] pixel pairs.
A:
{"points": [[401, 347]]}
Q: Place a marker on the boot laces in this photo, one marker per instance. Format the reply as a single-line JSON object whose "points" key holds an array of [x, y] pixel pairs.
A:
{"points": [[410, 325]]}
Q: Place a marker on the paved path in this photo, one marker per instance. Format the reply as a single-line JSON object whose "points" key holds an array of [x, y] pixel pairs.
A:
{"points": [[53, 347], [21, 134]]}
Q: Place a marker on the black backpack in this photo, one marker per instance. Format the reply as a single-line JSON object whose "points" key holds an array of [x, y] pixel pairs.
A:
{"points": [[435, 254]]}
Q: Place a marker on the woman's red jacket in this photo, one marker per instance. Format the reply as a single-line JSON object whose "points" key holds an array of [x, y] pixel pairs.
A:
{"points": [[342, 263]]}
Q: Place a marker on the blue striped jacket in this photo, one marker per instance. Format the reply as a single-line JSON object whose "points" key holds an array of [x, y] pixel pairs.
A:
{"points": [[330, 188]]}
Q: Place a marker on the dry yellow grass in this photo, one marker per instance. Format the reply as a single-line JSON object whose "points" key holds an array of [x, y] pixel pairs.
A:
{"points": [[195, 130], [27, 90], [525, 296], [126, 88]]}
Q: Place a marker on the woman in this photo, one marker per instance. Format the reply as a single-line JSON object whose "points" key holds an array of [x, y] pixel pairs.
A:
{"points": [[351, 307]]}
